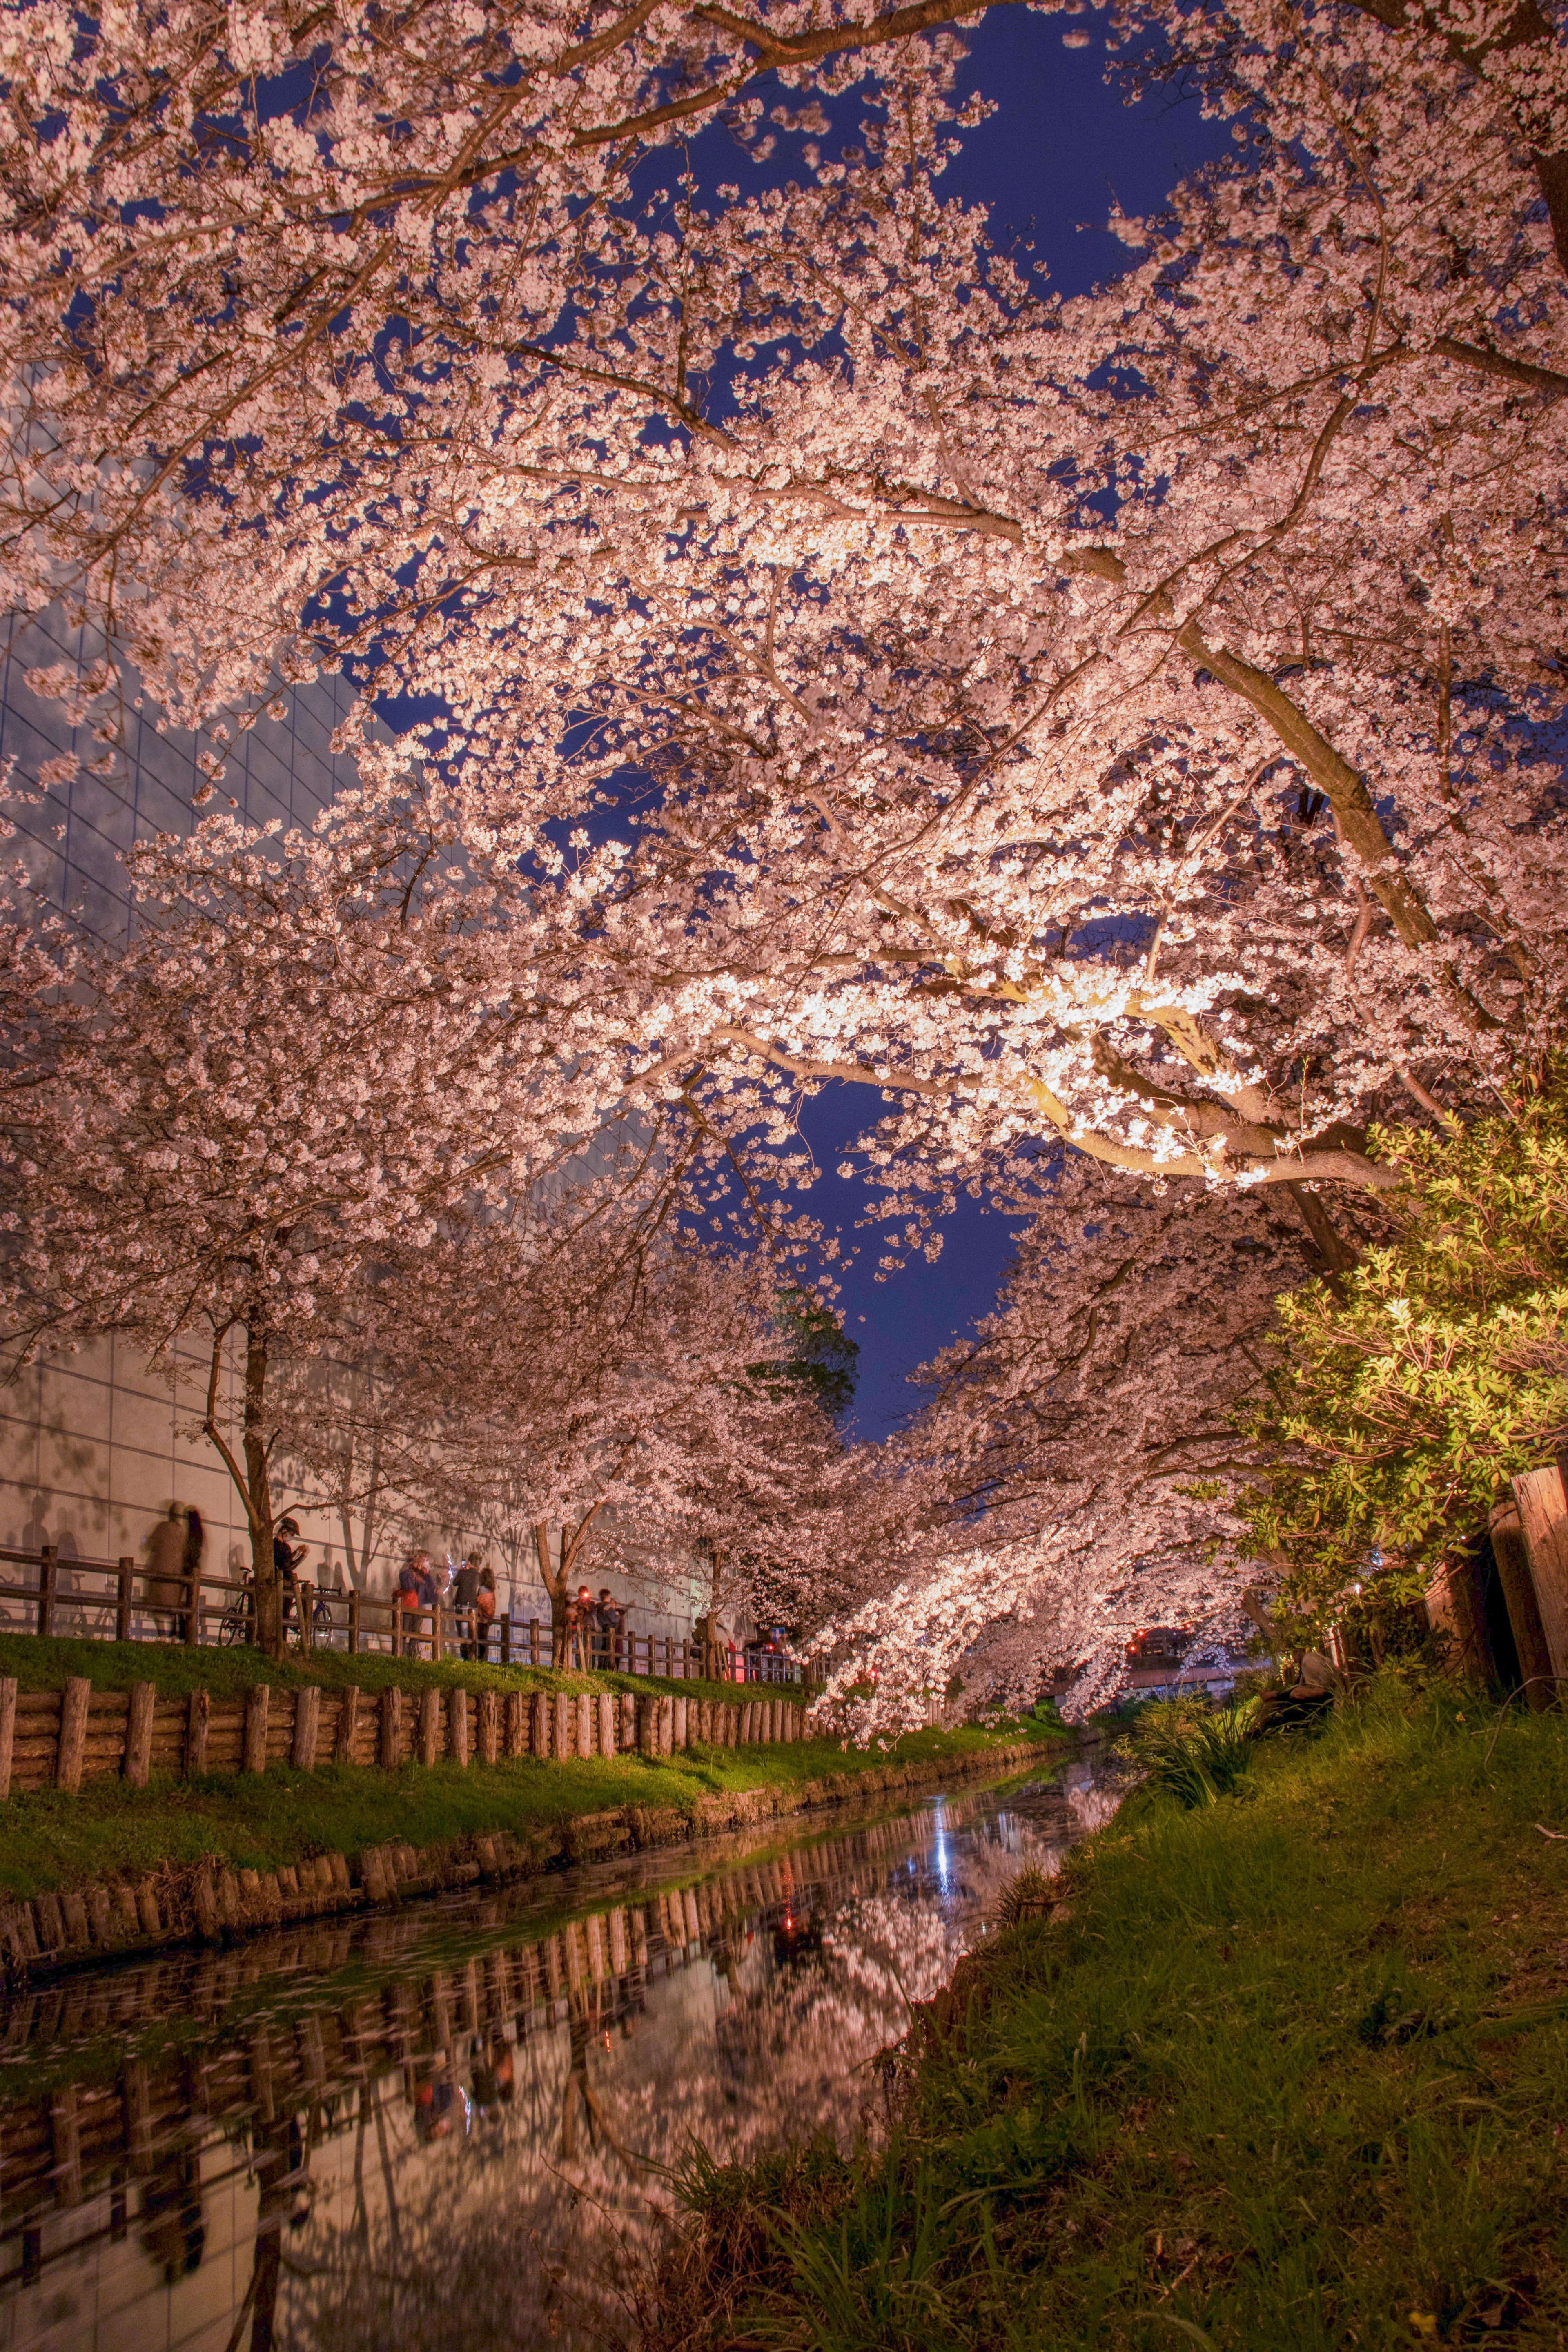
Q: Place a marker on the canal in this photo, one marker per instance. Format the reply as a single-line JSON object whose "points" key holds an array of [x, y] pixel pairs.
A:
{"points": [[454, 2125]]}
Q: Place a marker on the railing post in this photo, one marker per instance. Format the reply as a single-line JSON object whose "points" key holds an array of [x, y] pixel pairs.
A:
{"points": [[533, 1641], [122, 1598], [305, 1595], [436, 1644], [353, 1625], [506, 1639], [397, 1616], [46, 1590], [192, 1610]]}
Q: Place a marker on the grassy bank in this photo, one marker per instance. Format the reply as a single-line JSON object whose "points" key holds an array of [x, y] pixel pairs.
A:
{"points": [[44, 1664], [1294, 2073], [50, 1841]]}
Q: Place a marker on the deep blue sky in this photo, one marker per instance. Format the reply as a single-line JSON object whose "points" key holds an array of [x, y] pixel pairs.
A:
{"points": [[1062, 147]]}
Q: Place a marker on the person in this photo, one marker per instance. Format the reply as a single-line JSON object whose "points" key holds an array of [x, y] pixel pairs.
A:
{"points": [[415, 1585], [165, 1551], [287, 1556], [465, 1595], [484, 1612], [190, 1561], [584, 1615], [611, 1623]]}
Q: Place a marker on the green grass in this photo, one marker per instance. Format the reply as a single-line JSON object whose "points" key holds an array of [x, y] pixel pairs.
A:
{"points": [[264, 1821], [1294, 2073], [41, 1665]]}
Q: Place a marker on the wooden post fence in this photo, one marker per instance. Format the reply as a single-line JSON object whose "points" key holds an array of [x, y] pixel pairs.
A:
{"points": [[49, 1739]]}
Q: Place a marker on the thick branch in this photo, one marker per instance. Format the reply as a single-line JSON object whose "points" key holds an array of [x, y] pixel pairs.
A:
{"points": [[1347, 795]]}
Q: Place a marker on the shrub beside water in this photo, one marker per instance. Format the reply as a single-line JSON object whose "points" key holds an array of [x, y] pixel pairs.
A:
{"points": [[1185, 1750]]}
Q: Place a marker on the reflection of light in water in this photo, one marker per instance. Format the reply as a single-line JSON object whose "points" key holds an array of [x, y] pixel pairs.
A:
{"points": [[577, 2067]]}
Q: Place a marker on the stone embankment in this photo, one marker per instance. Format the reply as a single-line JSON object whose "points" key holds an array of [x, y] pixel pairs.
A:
{"points": [[210, 1903]]}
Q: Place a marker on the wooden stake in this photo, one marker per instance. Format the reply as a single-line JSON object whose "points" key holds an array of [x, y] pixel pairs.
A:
{"points": [[1543, 1514], [196, 1716], [307, 1719], [138, 1735], [73, 1733], [257, 1701], [429, 1726], [8, 1730], [348, 1723]]}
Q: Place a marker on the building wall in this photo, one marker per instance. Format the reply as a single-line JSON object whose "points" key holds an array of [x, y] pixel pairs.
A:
{"points": [[95, 1446], [73, 842]]}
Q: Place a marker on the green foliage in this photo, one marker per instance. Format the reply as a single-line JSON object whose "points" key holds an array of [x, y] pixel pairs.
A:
{"points": [[1189, 1752], [1289, 2076], [1029, 1895], [817, 1354], [1402, 1407]]}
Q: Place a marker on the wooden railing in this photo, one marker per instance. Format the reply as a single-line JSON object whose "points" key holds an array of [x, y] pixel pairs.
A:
{"points": [[122, 1601]]}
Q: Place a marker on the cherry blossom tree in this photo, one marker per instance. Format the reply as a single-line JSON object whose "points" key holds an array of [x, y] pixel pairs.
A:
{"points": [[920, 725], [1124, 721], [1077, 1462], [575, 1371], [294, 1068]]}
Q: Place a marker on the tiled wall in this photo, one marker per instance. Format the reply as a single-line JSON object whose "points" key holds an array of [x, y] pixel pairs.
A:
{"points": [[284, 767]]}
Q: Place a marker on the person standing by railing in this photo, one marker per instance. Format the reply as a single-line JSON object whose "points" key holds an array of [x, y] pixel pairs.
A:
{"points": [[484, 1612], [165, 1566], [191, 1568], [416, 1591], [287, 1559], [465, 1601], [608, 1623]]}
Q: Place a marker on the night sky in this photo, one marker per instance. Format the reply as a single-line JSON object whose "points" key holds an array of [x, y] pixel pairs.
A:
{"points": [[1061, 149]]}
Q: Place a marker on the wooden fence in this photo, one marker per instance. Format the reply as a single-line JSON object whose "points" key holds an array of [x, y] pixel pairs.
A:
{"points": [[121, 1600], [58, 1739]]}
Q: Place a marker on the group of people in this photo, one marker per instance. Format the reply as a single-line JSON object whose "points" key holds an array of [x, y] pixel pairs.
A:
{"points": [[594, 1630], [467, 1589]]}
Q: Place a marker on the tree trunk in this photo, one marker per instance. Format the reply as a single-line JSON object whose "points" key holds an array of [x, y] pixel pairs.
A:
{"points": [[263, 1568], [554, 1583], [1335, 1254]]}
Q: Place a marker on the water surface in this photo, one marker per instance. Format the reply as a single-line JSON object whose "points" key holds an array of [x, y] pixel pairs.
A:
{"points": [[451, 2126]]}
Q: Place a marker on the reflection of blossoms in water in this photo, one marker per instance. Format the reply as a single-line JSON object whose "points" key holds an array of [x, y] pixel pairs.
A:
{"points": [[1091, 1804], [894, 1954], [475, 2122]]}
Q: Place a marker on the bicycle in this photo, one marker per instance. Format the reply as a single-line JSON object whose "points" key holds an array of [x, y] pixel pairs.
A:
{"points": [[238, 1618]]}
